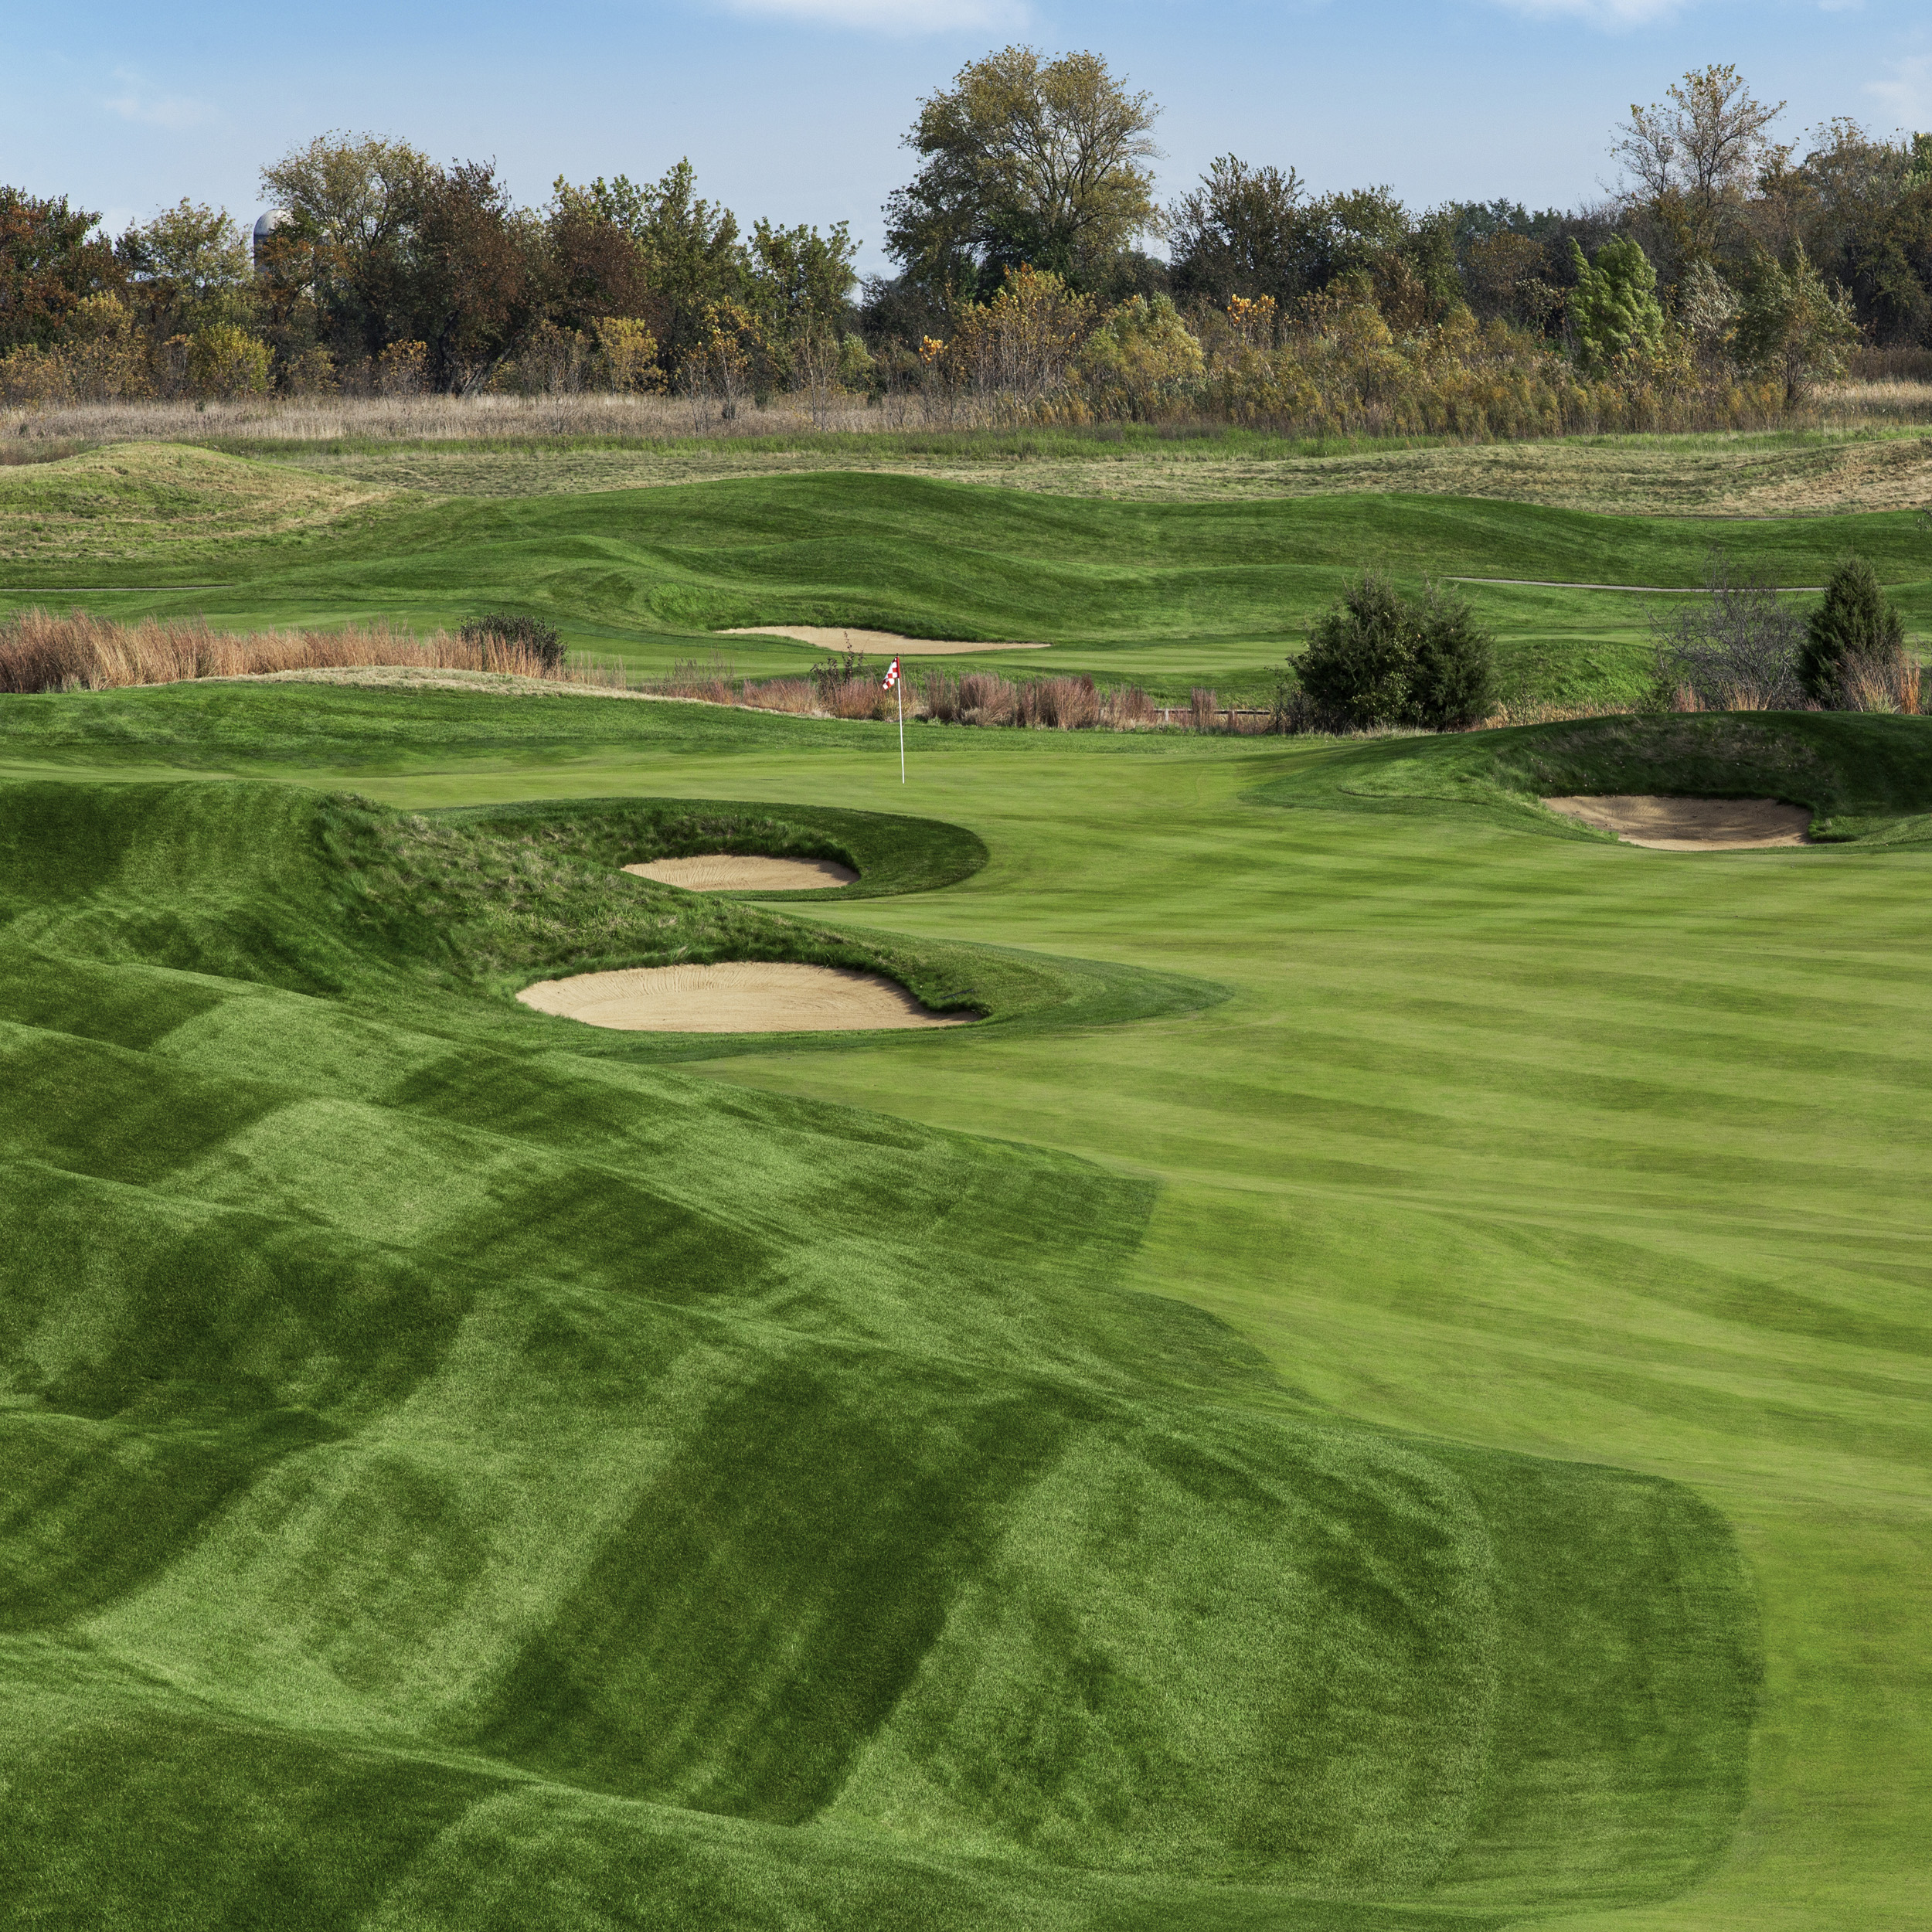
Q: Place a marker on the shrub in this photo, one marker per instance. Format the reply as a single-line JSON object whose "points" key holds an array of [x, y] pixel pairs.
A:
{"points": [[1058, 704], [529, 634], [1453, 682], [1377, 656], [226, 361], [1855, 621], [1735, 648]]}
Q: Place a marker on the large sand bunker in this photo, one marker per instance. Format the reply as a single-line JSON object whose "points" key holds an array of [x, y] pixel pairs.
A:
{"points": [[1666, 823], [741, 996], [731, 871], [882, 644]]}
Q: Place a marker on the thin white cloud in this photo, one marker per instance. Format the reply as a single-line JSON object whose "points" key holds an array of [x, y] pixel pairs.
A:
{"points": [[137, 102], [1909, 92], [1612, 15], [898, 17]]}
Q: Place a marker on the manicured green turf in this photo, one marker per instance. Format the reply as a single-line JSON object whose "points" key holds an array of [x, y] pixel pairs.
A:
{"points": [[1168, 594], [1864, 778], [462, 1440], [461, 1473]]}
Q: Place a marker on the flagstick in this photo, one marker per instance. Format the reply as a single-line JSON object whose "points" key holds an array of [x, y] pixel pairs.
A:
{"points": [[899, 688]]}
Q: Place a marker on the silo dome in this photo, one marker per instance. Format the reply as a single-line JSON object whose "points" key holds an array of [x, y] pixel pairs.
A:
{"points": [[270, 220]]}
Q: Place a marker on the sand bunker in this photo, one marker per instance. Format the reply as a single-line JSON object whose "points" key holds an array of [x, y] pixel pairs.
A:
{"points": [[883, 644], [1691, 824], [742, 996], [731, 871]]}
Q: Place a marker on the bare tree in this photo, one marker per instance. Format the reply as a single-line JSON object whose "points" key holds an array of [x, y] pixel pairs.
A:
{"points": [[1735, 646], [1702, 147]]}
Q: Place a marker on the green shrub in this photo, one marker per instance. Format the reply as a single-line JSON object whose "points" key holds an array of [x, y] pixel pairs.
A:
{"points": [[1377, 656], [1856, 621], [226, 361]]}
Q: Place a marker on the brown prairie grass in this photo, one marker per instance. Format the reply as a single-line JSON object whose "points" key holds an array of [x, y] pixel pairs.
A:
{"points": [[1887, 683], [41, 651]]}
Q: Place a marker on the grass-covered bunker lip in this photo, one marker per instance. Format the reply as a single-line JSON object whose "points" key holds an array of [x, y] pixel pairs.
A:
{"points": [[1864, 779], [558, 904], [439, 919], [892, 852]]}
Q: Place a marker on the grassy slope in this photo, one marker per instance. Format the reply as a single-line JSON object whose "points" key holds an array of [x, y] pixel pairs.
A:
{"points": [[1170, 593], [1876, 465], [1864, 779], [1538, 1142], [453, 1481], [162, 498]]}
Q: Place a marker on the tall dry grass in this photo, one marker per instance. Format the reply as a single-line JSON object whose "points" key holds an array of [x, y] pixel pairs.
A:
{"points": [[411, 419], [1887, 681], [1885, 387], [41, 652]]}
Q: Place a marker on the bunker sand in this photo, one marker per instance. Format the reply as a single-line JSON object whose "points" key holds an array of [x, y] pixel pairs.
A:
{"points": [[740, 996], [883, 643], [730, 872], [1665, 824]]}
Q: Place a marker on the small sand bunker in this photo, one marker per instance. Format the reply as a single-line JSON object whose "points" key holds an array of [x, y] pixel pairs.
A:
{"points": [[1691, 824], [741, 996], [884, 643], [731, 871]]}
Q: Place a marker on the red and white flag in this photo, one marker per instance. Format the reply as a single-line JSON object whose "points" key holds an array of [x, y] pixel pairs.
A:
{"points": [[891, 676]]}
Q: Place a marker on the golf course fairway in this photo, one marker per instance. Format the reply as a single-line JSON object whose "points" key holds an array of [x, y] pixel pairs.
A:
{"points": [[1381, 1386]]}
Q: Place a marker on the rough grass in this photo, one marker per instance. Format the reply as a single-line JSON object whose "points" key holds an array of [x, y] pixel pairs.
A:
{"points": [[1841, 456], [1825, 471], [455, 1481], [1164, 596], [136, 496]]}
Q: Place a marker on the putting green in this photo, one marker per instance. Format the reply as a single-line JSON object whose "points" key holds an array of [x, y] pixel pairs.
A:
{"points": [[462, 1480]]}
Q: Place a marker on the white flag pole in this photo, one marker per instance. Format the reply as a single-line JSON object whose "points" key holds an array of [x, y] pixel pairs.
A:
{"points": [[899, 687]]}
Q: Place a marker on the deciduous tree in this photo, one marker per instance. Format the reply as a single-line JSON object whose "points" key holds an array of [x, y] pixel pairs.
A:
{"points": [[50, 261], [1244, 231], [188, 269], [1026, 161], [1693, 155], [354, 203], [1614, 305], [1791, 326]]}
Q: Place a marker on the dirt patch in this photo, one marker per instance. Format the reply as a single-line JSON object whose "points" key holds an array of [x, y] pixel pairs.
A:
{"points": [[1666, 823], [740, 996], [880, 643], [731, 871]]}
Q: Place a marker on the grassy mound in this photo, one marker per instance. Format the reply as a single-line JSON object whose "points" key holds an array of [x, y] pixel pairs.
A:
{"points": [[1865, 779], [891, 852], [444, 917], [455, 1479], [159, 496], [949, 559], [1168, 594]]}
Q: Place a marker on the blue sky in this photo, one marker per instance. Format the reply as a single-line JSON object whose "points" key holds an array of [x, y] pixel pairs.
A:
{"points": [[794, 108]]}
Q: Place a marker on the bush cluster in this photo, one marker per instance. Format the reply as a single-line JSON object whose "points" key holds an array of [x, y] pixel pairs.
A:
{"points": [[1740, 646], [1378, 657]]}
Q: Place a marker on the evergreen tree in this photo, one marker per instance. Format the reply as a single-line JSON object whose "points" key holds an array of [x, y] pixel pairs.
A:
{"points": [[1856, 620]]}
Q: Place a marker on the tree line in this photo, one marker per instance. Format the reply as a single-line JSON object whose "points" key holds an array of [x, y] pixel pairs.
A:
{"points": [[1729, 274]]}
